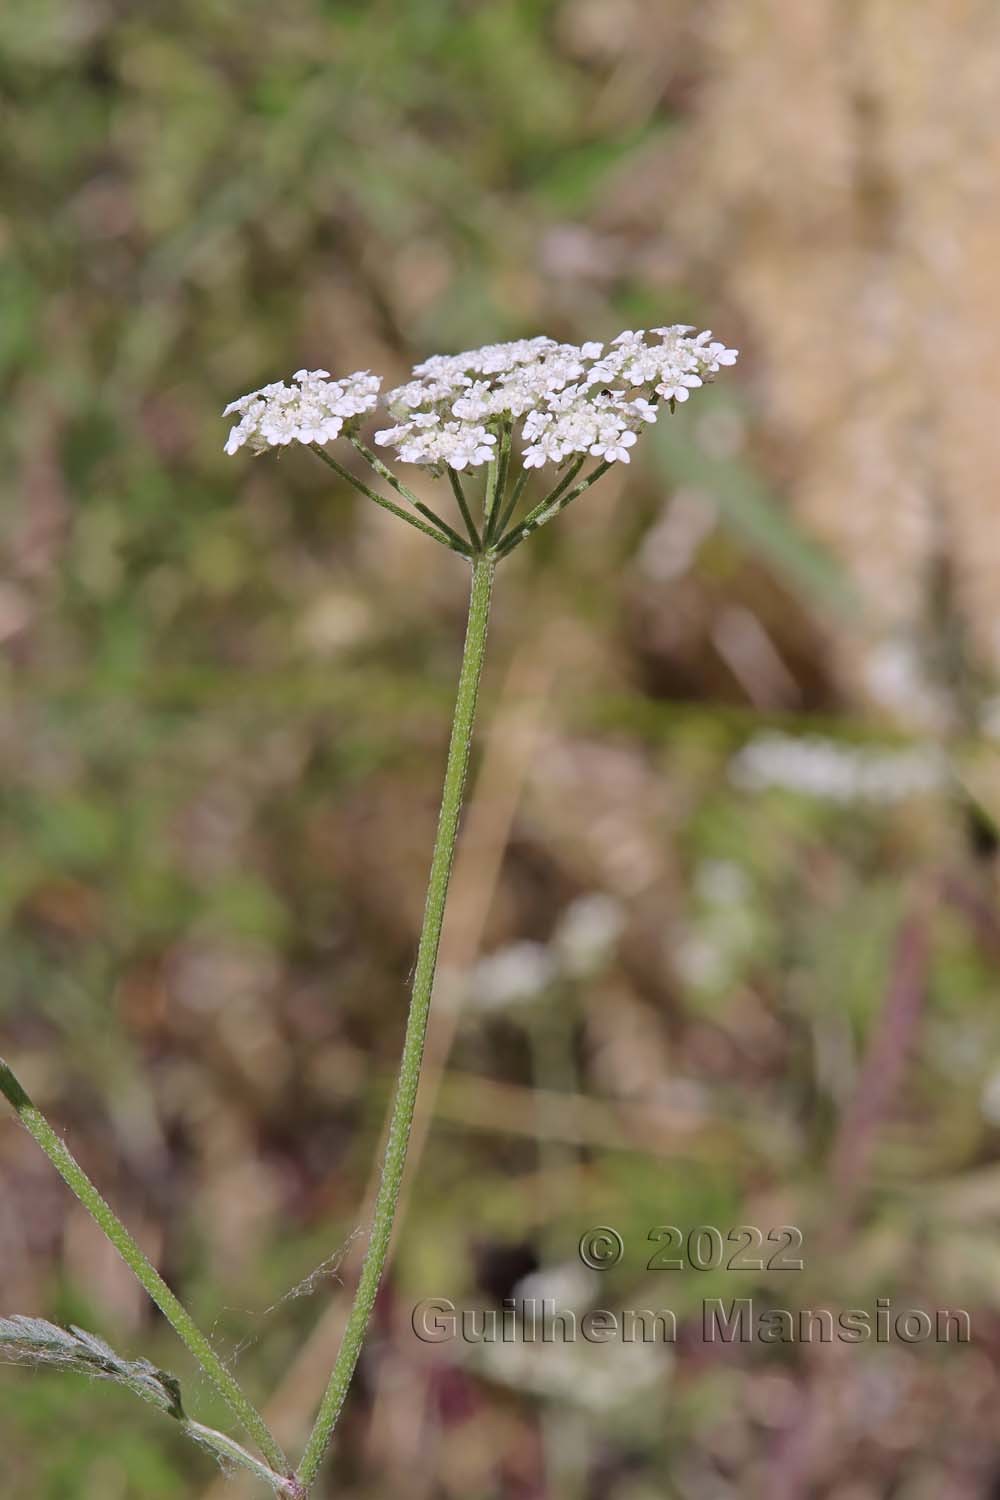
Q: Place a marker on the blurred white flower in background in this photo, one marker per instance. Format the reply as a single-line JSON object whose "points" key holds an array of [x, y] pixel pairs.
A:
{"points": [[569, 1284], [595, 1379], [721, 930], [835, 772], [896, 679], [582, 943], [520, 972], [587, 933]]}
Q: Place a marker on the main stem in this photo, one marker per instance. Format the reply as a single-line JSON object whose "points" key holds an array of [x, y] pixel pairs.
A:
{"points": [[401, 1119]]}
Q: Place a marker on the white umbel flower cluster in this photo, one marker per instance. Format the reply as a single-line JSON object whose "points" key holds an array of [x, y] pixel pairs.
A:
{"points": [[569, 400], [559, 401], [313, 410]]}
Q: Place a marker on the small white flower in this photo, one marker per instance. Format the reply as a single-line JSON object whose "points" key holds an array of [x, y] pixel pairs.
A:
{"points": [[718, 355], [615, 451], [678, 387]]}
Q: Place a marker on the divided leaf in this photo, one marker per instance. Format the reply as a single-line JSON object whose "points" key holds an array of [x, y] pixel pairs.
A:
{"points": [[73, 1348]]}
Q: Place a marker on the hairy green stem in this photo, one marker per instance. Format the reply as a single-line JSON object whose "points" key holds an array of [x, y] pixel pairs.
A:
{"points": [[384, 472], [228, 1451], [454, 539], [401, 1119], [463, 505], [500, 490], [547, 509], [183, 1324], [456, 546], [520, 485], [490, 494], [554, 494], [565, 482]]}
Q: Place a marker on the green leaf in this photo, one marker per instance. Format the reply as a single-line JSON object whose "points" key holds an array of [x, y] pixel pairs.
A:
{"points": [[40, 1342], [36, 1341]]}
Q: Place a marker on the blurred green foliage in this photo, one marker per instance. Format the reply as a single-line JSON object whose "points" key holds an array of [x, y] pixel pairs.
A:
{"points": [[226, 697]]}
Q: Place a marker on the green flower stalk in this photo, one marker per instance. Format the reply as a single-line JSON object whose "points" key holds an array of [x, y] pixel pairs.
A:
{"points": [[506, 409], [405, 1100]]}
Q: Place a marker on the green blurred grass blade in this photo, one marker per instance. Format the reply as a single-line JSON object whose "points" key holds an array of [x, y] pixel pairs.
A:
{"points": [[754, 514]]}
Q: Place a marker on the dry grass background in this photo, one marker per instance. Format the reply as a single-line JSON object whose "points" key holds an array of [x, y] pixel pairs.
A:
{"points": [[852, 150], [226, 696]]}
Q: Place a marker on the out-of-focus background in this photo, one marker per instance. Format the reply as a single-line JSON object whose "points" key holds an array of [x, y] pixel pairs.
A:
{"points": [[725, 942]]}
